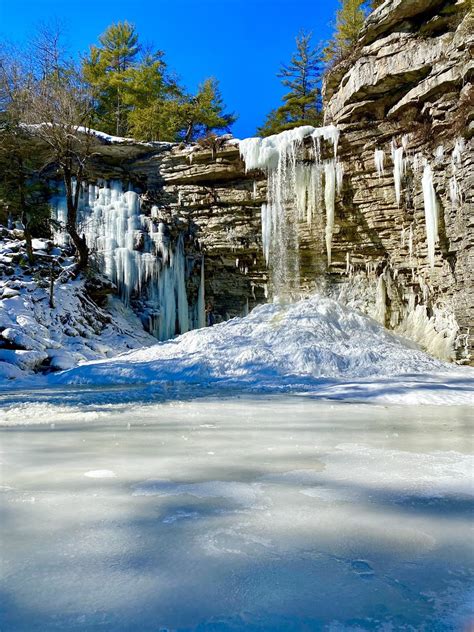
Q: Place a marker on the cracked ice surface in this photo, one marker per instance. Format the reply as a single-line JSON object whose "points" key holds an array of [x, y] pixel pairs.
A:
{"points": [[245, 513]]}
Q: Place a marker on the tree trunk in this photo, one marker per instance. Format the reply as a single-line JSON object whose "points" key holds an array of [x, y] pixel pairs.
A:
{"points": [[24, 215], [51, 286], [72, 200]]}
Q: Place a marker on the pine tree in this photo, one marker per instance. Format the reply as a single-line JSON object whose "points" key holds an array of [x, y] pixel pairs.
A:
{"points": [[349, 22], [205, 113], [108, 70], [156, 101], [301, 105]]}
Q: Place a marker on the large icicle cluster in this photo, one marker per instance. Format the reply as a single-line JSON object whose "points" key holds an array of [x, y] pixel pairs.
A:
{"points": [[135, 252], [295, 194]]}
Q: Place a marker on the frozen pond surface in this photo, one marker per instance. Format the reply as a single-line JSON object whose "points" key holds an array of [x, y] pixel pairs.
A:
{"points": [[278, 513]]}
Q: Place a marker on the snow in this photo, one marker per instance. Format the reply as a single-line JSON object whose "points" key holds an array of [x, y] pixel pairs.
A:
{"points": [[34, 336], [287, 348], [307, 515]]}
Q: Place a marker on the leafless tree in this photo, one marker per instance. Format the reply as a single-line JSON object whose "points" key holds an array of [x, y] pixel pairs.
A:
{"points": [[14, 146], [58, 111]]}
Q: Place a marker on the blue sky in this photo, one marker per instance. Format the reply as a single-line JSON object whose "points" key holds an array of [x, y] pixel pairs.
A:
{"points": [[240, 42]]}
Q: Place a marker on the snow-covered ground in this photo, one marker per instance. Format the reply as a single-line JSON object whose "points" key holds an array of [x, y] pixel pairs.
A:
{"points": [[35, 337], [251, 513], [315, 346]]}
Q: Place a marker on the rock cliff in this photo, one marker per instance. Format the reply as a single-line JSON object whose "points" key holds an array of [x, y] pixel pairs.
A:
{"points": [[403, 105]]}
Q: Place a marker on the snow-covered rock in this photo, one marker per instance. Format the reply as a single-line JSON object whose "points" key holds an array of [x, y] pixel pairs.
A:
{"points": [[36, 337]]}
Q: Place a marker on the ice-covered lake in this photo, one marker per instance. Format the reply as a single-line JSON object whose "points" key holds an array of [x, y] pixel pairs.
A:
{"points": [[239, 513]]}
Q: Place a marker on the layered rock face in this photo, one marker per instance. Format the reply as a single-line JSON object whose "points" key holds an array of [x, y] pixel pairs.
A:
{"points": [[407, 91], [386, 226]]}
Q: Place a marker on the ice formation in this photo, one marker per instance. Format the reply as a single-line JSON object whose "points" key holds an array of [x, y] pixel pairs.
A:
{"points": [[329, 199], [398, 169], [276, 348], [431, 212], [379, 160], [295, 194], [455, 193], [136, 253]]}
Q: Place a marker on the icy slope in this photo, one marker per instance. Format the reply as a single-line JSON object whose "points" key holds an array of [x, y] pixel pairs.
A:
{"points": [[35, 337], [275, 348]]}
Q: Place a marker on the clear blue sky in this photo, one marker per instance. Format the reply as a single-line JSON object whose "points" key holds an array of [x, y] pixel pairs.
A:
{"points": [[240, 42]]}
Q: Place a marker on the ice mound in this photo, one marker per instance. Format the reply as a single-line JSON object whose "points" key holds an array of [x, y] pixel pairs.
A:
{"points": [[276, 348]]}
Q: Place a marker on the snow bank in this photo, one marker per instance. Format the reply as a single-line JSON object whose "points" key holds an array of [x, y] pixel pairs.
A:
{"points": [[303, 347]]}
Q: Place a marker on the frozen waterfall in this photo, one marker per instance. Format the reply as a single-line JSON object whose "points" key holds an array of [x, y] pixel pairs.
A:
{"points": [[135, 251], [295, 194]]}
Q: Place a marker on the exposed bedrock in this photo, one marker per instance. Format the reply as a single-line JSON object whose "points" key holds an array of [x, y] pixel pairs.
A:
{"points": [[402, 241]]}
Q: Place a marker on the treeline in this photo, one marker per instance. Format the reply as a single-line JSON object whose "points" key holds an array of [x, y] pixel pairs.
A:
{"points": [[303, 75], [136, 95], [49, 102]]}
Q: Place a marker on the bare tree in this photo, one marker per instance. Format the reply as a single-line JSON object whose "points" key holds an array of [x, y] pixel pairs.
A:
{"points": [[15, 152], [58, 111]]}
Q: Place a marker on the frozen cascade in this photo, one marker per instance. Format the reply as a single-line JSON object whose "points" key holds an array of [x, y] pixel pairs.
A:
{"points": [[431, 212], [398, 169], [379, 160], [135, 253], [294, 194]]}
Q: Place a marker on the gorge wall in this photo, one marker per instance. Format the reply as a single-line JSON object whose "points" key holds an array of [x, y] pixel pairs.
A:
{"points": [[378, 214]]}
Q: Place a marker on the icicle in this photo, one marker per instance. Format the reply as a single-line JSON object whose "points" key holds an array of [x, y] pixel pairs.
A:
{"points": [[201, 304], [398, 170], [379, 160], [431, 212], [339, 176], [329, 199], [456, 156], [439, 154], [381, 300]]}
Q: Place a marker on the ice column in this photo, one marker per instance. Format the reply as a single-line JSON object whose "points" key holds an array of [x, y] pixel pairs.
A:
{"points": [[329, 200], [379, 160], [431, 212], [201, 304], [398, 169]]}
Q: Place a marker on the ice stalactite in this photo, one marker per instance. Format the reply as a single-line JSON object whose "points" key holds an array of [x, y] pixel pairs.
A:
{"points": [[431, 212], [329, 200], [398, 170], [294, 194], [381, 299], [439, 154], [379, 160], [135, 252], [339, 176], [455, 193], [201, 302]]}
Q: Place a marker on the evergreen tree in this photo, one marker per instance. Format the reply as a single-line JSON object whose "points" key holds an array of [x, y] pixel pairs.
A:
{"points": [[109, 70], [349, 22], [155, 101], [302, 104], [205, 113]]}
